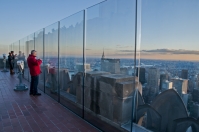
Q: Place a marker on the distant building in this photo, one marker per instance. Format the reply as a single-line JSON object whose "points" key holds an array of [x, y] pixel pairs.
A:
{"points": [[124, 70], [184, 74], [110, 65], [194, 110], [163, 78], [185, 98], [166, 85], [80, 67], [197, 82], [153, 80], [195, 95], [141, 74], [192, 82], [180, 85]]}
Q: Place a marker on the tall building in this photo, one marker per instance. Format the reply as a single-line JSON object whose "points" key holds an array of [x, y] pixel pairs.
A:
{"points": [[192, 82], [163, 78], [197, 82], [185, 99], [81, 68], [166, 85], [194, 111], [180, 85], [141, 74], [153, 80], [110, 65], [195, 95], [184, 74], [103, 56]]}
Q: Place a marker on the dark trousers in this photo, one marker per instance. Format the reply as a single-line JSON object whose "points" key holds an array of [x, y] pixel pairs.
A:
{"points": [[33, 84]]}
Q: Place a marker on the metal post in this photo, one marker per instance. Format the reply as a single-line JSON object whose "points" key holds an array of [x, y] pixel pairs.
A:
{"points": [[44, 60], [34, 41], [134, 107], [58, 62], [84, 73], [19, 45]]}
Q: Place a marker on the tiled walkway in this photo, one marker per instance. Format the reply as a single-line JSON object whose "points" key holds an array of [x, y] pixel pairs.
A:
{"points": [[20, 112]]}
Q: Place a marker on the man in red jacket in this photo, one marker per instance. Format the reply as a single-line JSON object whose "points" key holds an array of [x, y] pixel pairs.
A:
{"points": [[34, 67]]}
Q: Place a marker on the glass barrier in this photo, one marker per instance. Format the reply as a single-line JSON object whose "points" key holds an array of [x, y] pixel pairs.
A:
{"points": [[26, 70], [109, 64], [10, 47], [168, 67], [16, 52], [110, 76], [22, 56], [71, 57], [39, 39], [30, 47], [51, 60], [4, 50]]}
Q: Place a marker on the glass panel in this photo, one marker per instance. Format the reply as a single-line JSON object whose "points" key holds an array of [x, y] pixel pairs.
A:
{"points": [[26, 49], [109, 81], [4, 50], [51, 60], [22, 56], [39, 49], [10, 47], [31, 46], [169, 62], [16, 52], [71, 56]]}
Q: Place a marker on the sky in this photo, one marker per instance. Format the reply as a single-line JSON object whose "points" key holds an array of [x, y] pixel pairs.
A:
{"points": [[169, 29], [19, 18]]}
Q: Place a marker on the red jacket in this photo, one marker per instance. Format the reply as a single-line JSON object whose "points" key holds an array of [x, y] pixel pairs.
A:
{"points": [[34, 65]]}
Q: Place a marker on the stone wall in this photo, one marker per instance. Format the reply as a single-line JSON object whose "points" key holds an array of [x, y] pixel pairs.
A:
{"points": [[108, 95]]}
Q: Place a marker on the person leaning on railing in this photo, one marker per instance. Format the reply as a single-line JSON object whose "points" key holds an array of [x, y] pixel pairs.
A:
{"points": [[34, 67]]}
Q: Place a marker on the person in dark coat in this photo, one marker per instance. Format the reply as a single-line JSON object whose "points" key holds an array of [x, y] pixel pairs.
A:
{"points": [[34, 67], [11, 61]]}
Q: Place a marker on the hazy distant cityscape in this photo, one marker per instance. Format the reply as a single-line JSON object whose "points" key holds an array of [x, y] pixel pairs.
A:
{"points": [[155, 76]]}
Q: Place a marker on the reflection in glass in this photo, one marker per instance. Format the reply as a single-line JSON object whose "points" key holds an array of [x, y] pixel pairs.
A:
{"points": [[29, 47], [71, 61], [168, 67], [109, 81], [22, 56], [16, 52], [39, 49], [51, 60]]}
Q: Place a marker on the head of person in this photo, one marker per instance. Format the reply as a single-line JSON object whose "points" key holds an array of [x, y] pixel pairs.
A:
{"points": [[12, 52], [34, 52]]}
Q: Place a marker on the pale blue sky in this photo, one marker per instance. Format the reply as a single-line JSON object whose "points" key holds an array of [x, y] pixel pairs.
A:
{"points": [[172, 24], [165, 24], [19, 18]]}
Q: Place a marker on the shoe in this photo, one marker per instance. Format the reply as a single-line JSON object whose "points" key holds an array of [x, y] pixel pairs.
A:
{"points": [[37, 94]]}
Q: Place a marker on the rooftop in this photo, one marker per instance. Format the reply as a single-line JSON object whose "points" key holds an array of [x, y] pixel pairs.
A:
{"points": [[21, 112]]}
